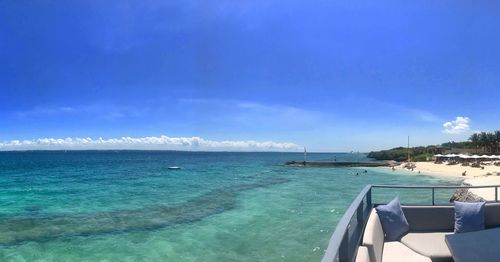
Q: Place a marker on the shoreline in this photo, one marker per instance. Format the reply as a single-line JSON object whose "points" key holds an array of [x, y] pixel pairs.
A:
{"points": [[473, 177], [405, 171], [452, 171]]}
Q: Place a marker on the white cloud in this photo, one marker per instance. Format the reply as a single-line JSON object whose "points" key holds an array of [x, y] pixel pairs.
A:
{"points": [[424, 116], [97, 111], [253, 115], [144, 143], [457, 126], [44, 111]]}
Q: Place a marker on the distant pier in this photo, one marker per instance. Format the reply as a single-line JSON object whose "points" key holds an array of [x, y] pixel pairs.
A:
{"points": [[335, 164]]}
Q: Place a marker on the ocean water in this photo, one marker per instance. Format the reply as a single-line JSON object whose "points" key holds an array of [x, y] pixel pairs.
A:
{"points": [[128, 206]]}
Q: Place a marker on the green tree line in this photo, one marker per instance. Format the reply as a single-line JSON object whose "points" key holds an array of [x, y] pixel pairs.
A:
{"points": [[488, 142], [419, 153]]}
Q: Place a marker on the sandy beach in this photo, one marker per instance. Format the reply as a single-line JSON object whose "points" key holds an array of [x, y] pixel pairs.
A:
{"points": [[490, 175], [453, 170]]}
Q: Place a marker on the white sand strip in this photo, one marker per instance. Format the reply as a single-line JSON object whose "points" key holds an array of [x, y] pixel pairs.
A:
{"points": [[474, 176]]}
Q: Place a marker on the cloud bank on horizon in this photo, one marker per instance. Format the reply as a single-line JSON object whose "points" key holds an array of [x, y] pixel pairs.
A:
{"points": [[146, 143]]}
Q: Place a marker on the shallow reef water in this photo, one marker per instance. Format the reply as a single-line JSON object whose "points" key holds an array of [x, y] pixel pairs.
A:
{"points": [[220, 206]]}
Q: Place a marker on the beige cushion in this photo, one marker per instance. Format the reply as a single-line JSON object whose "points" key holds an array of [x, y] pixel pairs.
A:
{"points": [[430, 245], [373, 237], [362, 255], [396, 252]]}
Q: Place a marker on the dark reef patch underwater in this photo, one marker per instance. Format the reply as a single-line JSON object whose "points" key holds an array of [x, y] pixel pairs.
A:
{"points": [[21, 229]]}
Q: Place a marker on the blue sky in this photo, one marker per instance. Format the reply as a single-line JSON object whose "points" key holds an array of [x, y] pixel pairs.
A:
{"points": [[328, 75]]}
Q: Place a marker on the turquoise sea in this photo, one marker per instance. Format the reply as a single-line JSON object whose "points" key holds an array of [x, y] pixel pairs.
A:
{"points": [[128, 206]]}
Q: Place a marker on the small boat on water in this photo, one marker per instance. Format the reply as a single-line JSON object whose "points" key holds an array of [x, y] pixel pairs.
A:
{"points": [[174, 168]]}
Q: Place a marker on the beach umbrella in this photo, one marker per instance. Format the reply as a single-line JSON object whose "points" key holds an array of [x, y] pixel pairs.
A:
{"points": [[485, 156], [438, 155], [475, 156], [450, 155], [464, 156]]}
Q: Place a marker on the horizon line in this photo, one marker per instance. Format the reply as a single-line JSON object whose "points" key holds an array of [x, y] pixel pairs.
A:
{"points": [[174, 150]]}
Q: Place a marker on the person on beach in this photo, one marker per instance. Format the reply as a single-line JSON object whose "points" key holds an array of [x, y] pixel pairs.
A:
{"points": [[463, 174]]}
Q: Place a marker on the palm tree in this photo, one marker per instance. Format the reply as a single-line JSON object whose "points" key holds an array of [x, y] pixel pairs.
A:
{"points": [[497, 138], [483, 140], [474, 138], [492, 142]]}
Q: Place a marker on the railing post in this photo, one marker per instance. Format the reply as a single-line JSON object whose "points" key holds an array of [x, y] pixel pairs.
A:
{"points": [[344, 248], [360, 213], [496, 193], [369, 198], [433, 203]]}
